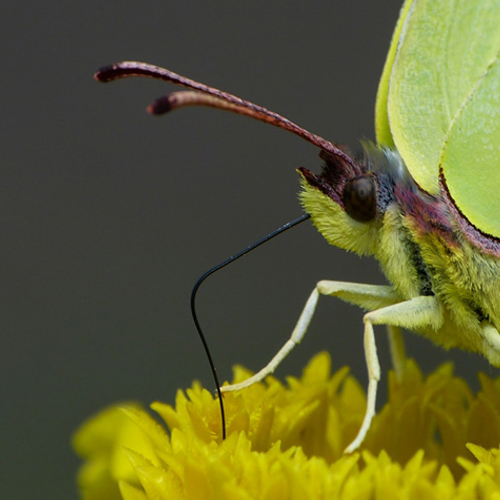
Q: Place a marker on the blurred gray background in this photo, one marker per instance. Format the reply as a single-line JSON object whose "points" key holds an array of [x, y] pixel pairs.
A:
{"points": [[108, 215]]}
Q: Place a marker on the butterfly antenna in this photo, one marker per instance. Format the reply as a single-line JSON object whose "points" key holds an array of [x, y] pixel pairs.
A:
{"points": [[196, 287], [203, 95]]}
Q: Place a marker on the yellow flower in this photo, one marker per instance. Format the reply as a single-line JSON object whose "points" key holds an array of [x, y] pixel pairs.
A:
{"points": [[286, 442]]}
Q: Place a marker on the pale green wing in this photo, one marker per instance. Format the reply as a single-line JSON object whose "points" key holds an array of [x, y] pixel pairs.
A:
{"points": [[471, 155], [382, 129], [446, 47]]}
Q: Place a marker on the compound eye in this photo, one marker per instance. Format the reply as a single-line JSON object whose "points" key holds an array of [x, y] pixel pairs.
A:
{"points": [[360, 198]]}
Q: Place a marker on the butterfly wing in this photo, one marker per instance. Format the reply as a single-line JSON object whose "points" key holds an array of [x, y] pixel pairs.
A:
{"points": [[382, 129], [470, 159], [445, 50]]}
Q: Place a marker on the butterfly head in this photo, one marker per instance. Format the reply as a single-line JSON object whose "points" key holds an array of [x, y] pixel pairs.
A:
{"points": [[349, 199]]}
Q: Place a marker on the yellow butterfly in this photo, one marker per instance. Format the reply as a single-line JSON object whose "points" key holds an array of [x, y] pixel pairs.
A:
{"points": [[424, 201]]}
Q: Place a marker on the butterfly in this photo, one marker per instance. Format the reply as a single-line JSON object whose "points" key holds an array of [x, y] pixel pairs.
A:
{"points": [[423, 200]]}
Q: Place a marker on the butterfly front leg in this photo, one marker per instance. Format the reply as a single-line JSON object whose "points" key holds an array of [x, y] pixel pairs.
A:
{"points": [[297, 335], [366, 296]]}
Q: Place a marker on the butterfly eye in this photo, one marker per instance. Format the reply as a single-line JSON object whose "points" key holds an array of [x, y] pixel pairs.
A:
{"points": [[360, 198]]}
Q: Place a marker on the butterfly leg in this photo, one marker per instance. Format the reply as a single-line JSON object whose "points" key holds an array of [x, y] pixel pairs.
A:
{"points": [[297, 335], [397, 349], [491, 343], [371, 297], [367, 296], [419, 312]]}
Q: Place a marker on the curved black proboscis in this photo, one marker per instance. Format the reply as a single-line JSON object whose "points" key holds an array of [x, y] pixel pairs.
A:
{"points": [[204, 276]]}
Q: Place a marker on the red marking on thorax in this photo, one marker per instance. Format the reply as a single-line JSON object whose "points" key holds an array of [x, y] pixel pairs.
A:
{"points": [[430, 215]]}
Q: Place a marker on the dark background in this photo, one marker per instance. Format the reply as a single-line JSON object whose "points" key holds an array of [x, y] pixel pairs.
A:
{"points": [[108, 215]]}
